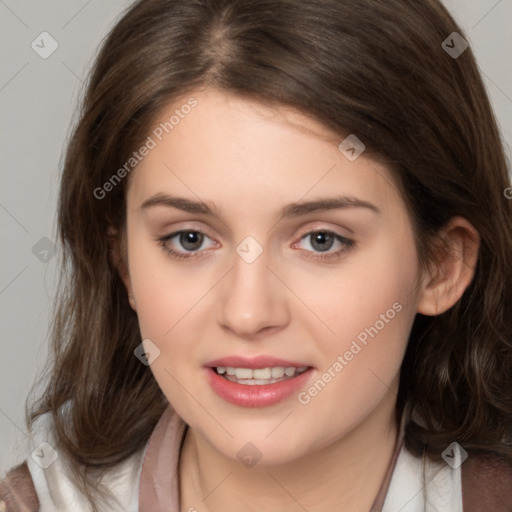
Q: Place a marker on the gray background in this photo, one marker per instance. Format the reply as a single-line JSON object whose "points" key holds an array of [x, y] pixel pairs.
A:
{"points": [[38, 99]]}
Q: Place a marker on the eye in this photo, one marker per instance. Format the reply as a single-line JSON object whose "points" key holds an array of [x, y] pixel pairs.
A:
{"points": [[190, 239], [322, 241]]}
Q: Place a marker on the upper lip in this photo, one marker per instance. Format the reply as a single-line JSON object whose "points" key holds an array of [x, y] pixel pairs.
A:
{"points": [[253, 362]]}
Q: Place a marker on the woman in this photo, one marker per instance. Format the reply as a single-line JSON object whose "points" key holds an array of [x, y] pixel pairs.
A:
{"points": [[290, 258]]}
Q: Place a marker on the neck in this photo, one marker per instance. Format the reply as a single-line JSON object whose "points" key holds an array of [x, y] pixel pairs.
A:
{"points": [[345, 475]]}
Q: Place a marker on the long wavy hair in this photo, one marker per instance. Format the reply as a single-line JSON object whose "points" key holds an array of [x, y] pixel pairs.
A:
{"points": [[376, 68]]}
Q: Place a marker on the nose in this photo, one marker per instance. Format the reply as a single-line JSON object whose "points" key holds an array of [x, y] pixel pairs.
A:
{"points": [[252, 300]]}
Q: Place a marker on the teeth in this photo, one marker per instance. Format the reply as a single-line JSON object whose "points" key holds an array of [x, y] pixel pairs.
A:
{"points": [[277, 372], [254, 376], [260, 373]]}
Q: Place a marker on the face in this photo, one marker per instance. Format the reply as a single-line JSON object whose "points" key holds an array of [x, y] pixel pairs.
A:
{"points": [[265, 282]]}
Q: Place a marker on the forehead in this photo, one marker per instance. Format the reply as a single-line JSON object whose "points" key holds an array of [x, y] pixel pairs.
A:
{"points": [[236, 149]]}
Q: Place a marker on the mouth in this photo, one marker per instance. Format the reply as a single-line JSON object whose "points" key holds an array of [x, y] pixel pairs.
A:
{"points": [[256, 382]]}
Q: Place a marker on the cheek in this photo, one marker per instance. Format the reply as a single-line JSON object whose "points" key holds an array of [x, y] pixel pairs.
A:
{"points": [[361, 361], [365, 286], [167, 300], [163, 293], [369, 307]]}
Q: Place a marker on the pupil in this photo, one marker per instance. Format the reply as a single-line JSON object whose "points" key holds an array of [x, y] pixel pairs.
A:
{"points": [[321, 238], [190, 239]]}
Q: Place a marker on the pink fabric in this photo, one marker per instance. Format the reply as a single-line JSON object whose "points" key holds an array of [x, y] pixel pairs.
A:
{"points": [[159, 484]]}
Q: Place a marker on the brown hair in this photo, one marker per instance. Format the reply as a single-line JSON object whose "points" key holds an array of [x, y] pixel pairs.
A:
{"points": [[375, 68]]}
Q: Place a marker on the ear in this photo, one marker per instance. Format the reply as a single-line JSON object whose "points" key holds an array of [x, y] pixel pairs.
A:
{"points": [[119, 258], [456, 256]]}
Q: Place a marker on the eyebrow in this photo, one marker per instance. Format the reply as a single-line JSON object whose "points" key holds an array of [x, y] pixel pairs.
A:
{"points": [[291, 210]]}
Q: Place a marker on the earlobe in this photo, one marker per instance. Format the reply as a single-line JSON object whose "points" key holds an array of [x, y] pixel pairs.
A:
{"points": [[119, 260], [127, 282], [133, 304], [125, 277], [453, 270]]}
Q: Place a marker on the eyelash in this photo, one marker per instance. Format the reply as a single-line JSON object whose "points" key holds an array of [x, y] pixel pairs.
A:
{"points": [[347, 242]]}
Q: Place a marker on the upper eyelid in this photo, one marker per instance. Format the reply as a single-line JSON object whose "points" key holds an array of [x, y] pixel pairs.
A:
{"points": [[340, 238], [175, 233], [319, 226]]}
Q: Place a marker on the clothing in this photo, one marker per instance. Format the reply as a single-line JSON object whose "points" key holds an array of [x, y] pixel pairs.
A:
{"points": [[148, 480]]}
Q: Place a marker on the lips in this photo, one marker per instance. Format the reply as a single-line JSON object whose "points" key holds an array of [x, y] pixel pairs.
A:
{"points": [[259, 393]]}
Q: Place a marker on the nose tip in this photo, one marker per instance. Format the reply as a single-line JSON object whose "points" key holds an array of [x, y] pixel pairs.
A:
{"points": [[251, 300]]}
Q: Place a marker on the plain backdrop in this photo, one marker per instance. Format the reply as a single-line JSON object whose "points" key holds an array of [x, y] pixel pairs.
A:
{"points": [[38, 99]]}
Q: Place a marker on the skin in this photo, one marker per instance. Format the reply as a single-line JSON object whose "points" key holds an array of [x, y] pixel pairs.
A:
{"points": [[251, 160]]}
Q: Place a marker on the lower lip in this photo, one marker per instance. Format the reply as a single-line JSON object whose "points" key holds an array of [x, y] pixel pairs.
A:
{"points": [[257, 395]]}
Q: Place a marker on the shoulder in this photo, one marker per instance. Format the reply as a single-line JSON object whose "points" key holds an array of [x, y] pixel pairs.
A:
{"points": [[478, 483], [48, 485], [487, 483], [17, 491]]}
